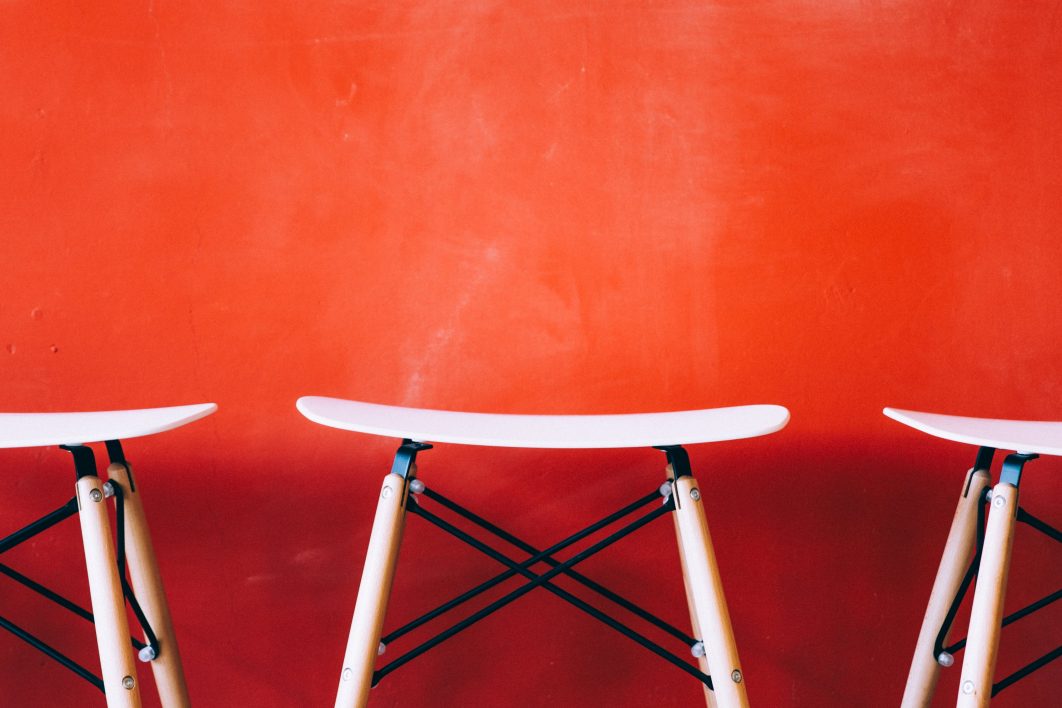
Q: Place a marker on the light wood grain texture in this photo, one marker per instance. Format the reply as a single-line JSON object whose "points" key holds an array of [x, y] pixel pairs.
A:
{"points": [[147, 584], [706, 590], [702, 661], [986, 614], [925, 670], [371, 606], [108, 605]]}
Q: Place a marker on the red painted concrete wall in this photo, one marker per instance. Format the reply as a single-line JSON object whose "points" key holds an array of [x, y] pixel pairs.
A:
{"points": [[534, 207]]}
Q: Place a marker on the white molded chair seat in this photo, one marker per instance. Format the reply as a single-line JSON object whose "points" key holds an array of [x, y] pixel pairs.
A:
{"points": [[41, 429], [1042, 437], [546, 431]]}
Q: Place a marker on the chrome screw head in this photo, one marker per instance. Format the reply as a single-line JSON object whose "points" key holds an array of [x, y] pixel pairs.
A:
{"points": [[695, 494], [999, 502], [128, 682], [96, 495], [146, 654], [945, 659], [347, 674], [967, 687], [387, 492], [108, 489], [416, 486], [735, 676]]}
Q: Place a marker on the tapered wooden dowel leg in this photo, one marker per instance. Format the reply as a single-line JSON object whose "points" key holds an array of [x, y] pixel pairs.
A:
{"points": [[705, 589], [925, 669], [147, 584], [986, 614], [362, 645], [108, 604], [702, 661]]}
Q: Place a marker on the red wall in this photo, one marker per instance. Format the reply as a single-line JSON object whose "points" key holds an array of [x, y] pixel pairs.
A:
{"points": [[533, 207]]}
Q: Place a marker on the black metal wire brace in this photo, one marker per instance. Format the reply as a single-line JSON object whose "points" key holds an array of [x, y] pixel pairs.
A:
{"points": [[539, 580], [85, 465], [984, 458]]}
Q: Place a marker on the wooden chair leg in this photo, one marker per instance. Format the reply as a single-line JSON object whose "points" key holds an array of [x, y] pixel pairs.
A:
{"points": [[702, 661], [147, 584], [986, 614], [108, 604], [925, 669], [364, 640], [705, 593]]}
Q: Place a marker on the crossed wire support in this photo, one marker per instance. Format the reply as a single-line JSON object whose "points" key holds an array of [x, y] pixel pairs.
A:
{"points": [[544, 580]]}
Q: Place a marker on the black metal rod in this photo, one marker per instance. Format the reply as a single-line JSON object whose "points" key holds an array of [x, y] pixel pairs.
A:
{"points": [[1026, 670], [1027, 518], [127, 591], [1015, 616], [52, 653], [46, 592], [119, 527], [149, 633], [56, 598], [574, 575], [520, 591], [567, 596], [1028, 610], [42, 524], [964, 587], [488, 584]]}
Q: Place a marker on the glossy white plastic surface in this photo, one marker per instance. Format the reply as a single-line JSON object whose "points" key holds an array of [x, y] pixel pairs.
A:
{"points": [[1040, 436], [546, 431], [40, 429]]}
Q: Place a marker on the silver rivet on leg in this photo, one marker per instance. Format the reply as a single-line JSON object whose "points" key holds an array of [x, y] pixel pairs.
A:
{"points": [[387, 492], [945, 659], [347, 673], [95, 495], [416, 486], [148, 653], [735, 676], [967, 687], [999, 502], [128, 683], [697, 649], [695, 494]]}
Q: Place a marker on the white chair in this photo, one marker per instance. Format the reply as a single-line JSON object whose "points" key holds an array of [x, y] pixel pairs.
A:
{"points": [[108, 587], [991, 549], [713, 644]]}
